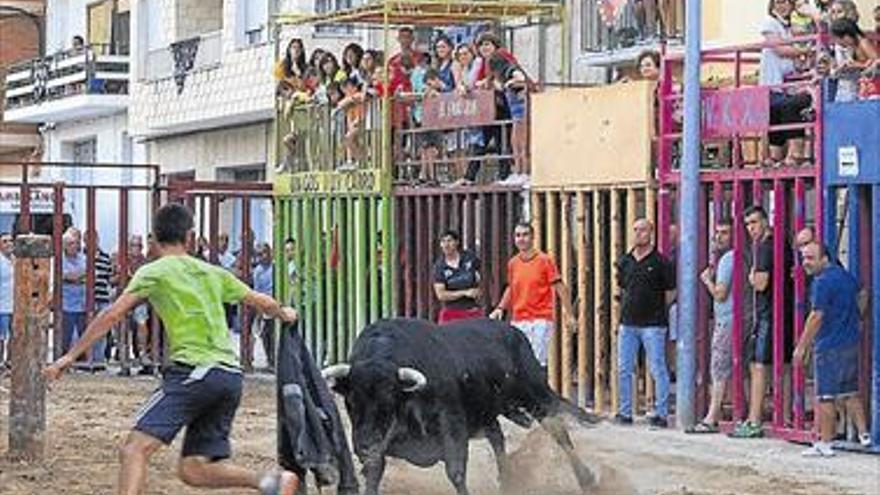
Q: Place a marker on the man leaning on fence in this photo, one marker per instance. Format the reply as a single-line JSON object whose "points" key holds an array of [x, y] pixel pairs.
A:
{"points": [[832, 332]]}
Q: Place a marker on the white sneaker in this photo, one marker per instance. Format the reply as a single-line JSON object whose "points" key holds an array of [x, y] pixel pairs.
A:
{"points": [[865, 440], [819, 449]]}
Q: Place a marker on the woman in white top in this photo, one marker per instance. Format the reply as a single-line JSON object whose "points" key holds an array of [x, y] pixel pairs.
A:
{"points": [[776, 63], [466, 71]]}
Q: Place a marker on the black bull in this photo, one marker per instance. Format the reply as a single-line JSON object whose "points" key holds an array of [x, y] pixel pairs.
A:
{"points": [[419, 391]]}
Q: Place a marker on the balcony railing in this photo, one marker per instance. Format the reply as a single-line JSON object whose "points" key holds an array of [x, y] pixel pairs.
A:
{"points": [[93, 70], [605, 28], [439, 139]]}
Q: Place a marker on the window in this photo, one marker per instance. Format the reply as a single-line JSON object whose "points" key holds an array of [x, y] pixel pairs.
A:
{"points": [[256, 19], [324, 6], [100, 22], [155, 39]]}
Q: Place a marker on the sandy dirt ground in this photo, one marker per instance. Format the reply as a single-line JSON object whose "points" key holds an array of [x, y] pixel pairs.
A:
{"points": [[88, 417]]}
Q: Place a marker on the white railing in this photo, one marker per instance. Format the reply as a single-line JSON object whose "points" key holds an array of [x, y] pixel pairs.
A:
{"points": [[89, 71]]}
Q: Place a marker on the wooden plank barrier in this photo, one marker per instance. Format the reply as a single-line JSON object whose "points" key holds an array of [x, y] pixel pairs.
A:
{"points": [[587, 230]]}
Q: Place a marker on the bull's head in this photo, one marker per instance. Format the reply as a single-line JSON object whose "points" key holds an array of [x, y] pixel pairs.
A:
{"points": [[374, 392]]}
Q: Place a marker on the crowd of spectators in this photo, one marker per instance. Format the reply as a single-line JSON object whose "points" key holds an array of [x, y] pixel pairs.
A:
{"points": [[411, 75], [110, 279]]}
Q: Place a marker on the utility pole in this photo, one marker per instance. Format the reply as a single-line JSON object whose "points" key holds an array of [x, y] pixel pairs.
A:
{"points": [[688, 214]]}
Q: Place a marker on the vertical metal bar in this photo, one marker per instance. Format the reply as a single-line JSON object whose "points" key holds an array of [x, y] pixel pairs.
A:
{"points": [[470, 217], [329, 291], [492, 273], [701, 331], [373, 247], [321, 243], [798, 394], [58, 247], [24, 219], [875, 305], [865, 269], [246, 346], [406, 255], [779, 277], [214, 240], [428, 260], [420, 254], [739, 245], [342, 267], [124, 341], [90, 252]]}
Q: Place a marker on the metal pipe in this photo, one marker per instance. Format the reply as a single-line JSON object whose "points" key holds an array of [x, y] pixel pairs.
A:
{"points": [[689, 213], [875, 304]]}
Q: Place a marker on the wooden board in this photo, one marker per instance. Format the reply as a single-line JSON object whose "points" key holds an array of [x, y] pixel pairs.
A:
{"points": [[580, 136]]}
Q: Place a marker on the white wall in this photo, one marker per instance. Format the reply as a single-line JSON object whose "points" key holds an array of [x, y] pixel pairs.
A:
{"points": [[110, 135], [66, 19]]}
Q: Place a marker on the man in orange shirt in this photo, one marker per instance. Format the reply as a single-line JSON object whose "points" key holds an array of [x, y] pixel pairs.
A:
{"points": [[532, 284]]}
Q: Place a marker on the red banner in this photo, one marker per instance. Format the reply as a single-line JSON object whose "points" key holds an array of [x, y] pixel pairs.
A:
{"points": [[451, 110], [735, 111]]}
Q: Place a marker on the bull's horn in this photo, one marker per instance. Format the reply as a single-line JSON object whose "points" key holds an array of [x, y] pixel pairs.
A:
{"points": [[336, 372], [414, 376]]}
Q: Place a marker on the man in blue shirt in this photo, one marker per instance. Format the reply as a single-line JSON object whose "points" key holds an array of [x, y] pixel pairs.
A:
{"points": [[264, 284], [832, 329], [73, 289]]}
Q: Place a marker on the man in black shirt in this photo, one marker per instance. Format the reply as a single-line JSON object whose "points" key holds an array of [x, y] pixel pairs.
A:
{"points": [[646, 280], [759, 347], [457, 280]]}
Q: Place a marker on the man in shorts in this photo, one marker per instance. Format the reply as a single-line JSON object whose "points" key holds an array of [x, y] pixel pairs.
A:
{"points": [[832, 329], [532, 284], [718, 279], [201, 388]]}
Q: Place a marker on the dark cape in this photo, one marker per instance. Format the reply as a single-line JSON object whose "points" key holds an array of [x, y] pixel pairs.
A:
{"points": [[310, 432]]}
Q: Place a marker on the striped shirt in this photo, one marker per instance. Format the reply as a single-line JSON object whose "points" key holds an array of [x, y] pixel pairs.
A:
{"points": [[103, 272]]}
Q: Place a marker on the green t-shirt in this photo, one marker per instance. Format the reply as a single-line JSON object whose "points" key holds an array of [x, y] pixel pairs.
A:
{"points": [[188, 294]]}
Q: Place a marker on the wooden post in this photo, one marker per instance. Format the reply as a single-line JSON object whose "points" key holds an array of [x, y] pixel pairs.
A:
{"points": [[616, 249], [600, 332], [652, 214], [631, 215], [565, 267], [583, 271], [27, 404], [550, 247]]}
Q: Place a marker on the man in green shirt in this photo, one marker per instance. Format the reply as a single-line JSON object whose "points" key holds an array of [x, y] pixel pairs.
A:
{"points": [[201, 388]]}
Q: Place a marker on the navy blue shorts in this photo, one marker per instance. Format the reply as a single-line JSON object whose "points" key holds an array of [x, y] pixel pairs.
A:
{"points": [[837, 372], [759, 347], [202, 400]]}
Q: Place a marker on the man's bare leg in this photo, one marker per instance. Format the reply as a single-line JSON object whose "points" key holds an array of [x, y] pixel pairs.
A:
{"points": [[201, 472], [135, 457], [857, 413], [717, 396], [827, 420], [756, 395]]}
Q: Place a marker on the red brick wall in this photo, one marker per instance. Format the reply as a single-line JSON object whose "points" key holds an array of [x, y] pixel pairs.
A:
{"points": [[18, 35]]}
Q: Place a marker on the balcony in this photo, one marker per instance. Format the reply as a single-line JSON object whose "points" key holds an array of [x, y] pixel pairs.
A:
{"points": [[67, 86]]}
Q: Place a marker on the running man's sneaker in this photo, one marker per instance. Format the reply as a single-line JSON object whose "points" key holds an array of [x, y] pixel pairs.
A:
{"points": [[747, 429], [284, 483], [819, 449], [865, 440]]}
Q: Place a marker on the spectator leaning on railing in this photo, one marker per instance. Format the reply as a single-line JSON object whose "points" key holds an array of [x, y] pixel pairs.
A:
{"points": [[786, 107], [854, 54]]}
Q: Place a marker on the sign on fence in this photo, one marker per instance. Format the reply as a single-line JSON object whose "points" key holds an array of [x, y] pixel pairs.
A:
{"points": [[363, 180], [452, 110], [735, 111]]}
